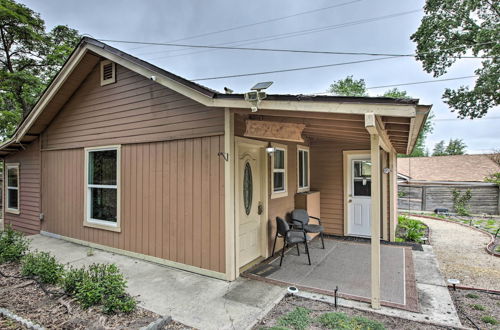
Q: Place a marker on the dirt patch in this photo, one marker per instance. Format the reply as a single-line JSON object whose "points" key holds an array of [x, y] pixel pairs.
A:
{"points": [[289, 303], [8, 324], [477, 305], [177, 326], [26, 299]]}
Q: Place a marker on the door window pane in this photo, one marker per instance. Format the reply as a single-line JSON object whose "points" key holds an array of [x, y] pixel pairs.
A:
{"points": [[362, 169], [103, 204], [247, 188], [362, 187]]}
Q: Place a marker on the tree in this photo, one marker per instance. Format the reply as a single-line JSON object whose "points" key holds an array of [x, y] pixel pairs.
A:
{"points": [[397, 94], [455, 147], [29, 59], [349, 87], [439, 149], [450, 29]]}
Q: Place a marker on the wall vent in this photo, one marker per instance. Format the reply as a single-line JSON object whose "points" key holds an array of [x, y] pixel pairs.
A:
{"points": [[108, 72]]}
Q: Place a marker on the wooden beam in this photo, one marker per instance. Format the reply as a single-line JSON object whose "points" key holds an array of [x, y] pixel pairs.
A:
{"points": [[393, 195], [373, 127], [302, 114], [396, 120], [398, 127], [230, 234], [385, 192], [375, 221]]}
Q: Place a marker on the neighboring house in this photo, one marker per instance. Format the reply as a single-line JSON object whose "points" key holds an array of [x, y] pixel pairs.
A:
{"points": [[122, 155], [426, 183]]}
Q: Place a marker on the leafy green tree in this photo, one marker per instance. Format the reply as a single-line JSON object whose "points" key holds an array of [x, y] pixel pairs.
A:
{"points": [[349, 87], [439, 149], [397, 94], [450, 29], [456, 147], [29, 58]]}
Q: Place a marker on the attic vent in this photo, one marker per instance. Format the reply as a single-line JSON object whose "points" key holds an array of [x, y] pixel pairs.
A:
{"points": [[108, 72]]}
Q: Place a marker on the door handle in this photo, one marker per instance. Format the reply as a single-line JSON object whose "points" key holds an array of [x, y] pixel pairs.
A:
{"points": [[349, 201], [260, 208]]}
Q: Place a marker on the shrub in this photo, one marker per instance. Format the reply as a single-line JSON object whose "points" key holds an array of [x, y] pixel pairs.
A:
{"points": [[43, 266], [478, 307], [461, 202], [13, 245], [297, 319], [489, 319], [341, 321], [99, 284], [410, 229]]}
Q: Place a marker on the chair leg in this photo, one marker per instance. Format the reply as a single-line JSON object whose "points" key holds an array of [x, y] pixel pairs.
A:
{"points": [[307, 251], [298, 250], [283, 252], [274, 245], [322, 240]]}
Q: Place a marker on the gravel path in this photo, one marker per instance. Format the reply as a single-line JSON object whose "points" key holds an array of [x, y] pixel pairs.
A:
{"points": [[461, 254]]}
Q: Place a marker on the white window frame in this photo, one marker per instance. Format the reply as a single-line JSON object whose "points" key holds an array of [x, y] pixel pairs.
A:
{"points": [[284, 192], [7, 208], [308, 187], [111, 80], [96, 223]]}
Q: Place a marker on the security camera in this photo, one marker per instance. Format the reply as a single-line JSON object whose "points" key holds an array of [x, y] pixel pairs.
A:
{"points": [[228, 90]]}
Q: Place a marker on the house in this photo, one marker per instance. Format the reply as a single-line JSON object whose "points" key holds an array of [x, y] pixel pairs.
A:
{"points": [[427, 183], [122, 155]]}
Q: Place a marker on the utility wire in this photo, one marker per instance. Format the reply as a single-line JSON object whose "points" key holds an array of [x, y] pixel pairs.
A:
{"points": [[238, 27], [422, 82]]}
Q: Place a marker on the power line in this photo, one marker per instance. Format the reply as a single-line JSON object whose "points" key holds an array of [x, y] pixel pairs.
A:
{"points": [[421, 82], [453, 119], [324, 52], [261, 22], [293, 69], [292, 34]]}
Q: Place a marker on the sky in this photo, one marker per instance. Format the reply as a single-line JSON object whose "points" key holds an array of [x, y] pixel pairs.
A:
{"points": [[193, 21]]}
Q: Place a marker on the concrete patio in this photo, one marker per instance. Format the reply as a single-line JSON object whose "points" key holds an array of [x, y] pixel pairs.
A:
{"points": [[346, 265]]}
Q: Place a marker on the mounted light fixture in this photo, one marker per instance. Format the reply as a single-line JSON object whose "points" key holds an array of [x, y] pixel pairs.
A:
{"points": [[256, 95], [270, 149], [387, 170]]}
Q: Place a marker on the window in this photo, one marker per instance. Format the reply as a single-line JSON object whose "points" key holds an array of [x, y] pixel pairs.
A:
{"points": [[102, 187], [108, 72], [362, 180], [278, 180], [12, 196], [303, 168]]}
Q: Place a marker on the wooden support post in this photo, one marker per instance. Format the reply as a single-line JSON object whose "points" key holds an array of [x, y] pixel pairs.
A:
{"points": [[385, 196], [375, 221], [229, 164], [393, 195]]}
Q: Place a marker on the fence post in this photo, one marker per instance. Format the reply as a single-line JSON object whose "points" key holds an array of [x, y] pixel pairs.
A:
{"points": [[423, 206]]}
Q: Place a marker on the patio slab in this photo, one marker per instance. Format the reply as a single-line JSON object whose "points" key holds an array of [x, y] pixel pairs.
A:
{"points": [[347, 265]]}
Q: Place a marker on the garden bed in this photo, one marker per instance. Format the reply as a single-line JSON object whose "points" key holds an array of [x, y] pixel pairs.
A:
{"points": [[26, 298], [294, 312], [477, 309]]}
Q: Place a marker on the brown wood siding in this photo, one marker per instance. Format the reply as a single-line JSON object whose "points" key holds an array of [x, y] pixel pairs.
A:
{"points": [[328, 178], [172, 200], [132, 110], [28, 220]]}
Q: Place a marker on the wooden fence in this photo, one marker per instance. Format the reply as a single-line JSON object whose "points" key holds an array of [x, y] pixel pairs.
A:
{"points": [[485, 199]]}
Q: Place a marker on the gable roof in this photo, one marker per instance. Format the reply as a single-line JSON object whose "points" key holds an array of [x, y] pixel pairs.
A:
{"points": [[459, 168], [90, 51]]}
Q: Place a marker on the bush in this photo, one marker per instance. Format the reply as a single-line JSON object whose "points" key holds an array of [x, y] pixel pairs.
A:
{"points": [[410, 229], [461, 202], [341, 321], [13, 245], [99, 284], [297, 319], [43, 266]]}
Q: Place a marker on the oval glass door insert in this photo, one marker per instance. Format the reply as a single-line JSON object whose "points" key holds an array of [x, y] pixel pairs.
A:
{"points": [[247, 188]]}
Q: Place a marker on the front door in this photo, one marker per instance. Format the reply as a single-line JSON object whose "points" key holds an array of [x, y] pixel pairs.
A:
{"points": [[249, 204], [359, 195]]}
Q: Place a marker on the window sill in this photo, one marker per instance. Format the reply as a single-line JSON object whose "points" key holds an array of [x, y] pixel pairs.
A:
{"points": [[279, 194], [12, 211], [305, 189], [116, 229]]}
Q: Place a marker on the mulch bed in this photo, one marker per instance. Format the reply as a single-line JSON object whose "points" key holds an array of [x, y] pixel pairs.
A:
{"points": [[8, 324], [468, 303], [25, 298], [289, 303]]}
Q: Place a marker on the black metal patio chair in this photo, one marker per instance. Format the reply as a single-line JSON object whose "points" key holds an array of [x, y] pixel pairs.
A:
{"points": [[300, 219], [290, 237]]}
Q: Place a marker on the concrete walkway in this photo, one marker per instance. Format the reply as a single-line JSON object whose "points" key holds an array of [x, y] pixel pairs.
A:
{"points": [[195, 300]]}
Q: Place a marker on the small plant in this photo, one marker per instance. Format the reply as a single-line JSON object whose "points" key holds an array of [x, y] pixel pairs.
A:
{"points": [[401, 194], [410, 229], [489, 319], [90, 252], [461, 202], [43, 266], [341, 321], [471, 296], [13, 245], [297, 319], [72, 277], [478, 307]]}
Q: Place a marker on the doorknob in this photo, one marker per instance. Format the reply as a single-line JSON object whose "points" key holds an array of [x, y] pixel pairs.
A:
{"points": [[349, 201], [260, 208]]}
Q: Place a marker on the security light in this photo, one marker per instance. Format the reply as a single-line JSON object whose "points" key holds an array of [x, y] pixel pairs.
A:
{"points": [[256, 95]]}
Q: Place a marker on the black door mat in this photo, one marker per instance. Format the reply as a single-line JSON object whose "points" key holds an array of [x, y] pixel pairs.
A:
{"points": [[263, 270]]}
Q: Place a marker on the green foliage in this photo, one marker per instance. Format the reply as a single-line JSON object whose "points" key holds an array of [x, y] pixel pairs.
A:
{"points": [[489, 319], [439, 149], [478, 307], [472, 296], [341, 321], [297, 319], [99, 284], [29, 58], [349, 87], [401, 194], [397, 94], [461, 201], [454, 147], [493, 178], [450, 29], [43, 266], [410, 230], [13, 245]]}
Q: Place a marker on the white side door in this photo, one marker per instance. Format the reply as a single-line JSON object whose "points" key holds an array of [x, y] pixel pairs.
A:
{"points": [[359, 195]]}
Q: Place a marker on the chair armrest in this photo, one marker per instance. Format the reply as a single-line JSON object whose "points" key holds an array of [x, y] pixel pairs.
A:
{"points": [[315, 218]]}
